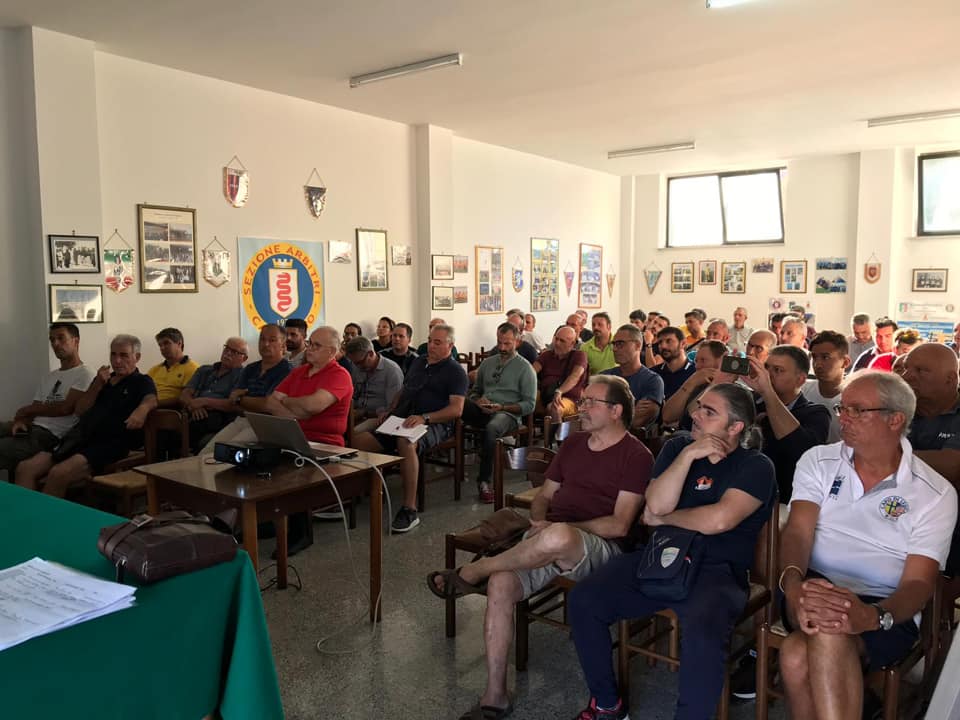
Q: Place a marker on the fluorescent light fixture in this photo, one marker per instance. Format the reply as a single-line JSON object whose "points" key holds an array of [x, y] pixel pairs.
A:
{"points": [[454, 59], [914, 117], [717, 4], [630, 152]]}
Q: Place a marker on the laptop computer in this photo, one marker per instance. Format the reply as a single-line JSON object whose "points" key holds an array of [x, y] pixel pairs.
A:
{"points": [[286, 433]]}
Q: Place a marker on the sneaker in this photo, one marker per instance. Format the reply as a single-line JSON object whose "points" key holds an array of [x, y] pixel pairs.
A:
{"points": [[743, 682], [486, 494], [405, 520], [592, 712]]}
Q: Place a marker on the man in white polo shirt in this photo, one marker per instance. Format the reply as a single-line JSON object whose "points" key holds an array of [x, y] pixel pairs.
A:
{"points": [[869, 529]]}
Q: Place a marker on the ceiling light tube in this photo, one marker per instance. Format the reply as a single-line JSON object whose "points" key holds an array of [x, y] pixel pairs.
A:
{"points": [[453, 59], [717, 4], [914, 117], [630, 152]]}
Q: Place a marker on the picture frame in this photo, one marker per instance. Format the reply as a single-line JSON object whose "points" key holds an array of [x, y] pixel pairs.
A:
{"points": [[708, 272], [733, 278], [442, 297], [401, 255], [75, 303], [489, 280], [591, 266], [461, 264], [544, 274], [441, 267], [793, 276], [929, 280], [762, 265], [341, 252], [681, 277], [74, 254], [372, 266], [459, 294], [168, 248]]}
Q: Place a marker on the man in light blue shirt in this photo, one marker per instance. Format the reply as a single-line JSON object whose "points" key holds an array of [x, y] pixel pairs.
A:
{"points": [[646, 385]]}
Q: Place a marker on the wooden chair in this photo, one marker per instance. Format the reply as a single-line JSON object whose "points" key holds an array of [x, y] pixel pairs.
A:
{"points": [[447, 454], [562, 430], [532, 460], [760, 610], [928, 649], [119, 482]]}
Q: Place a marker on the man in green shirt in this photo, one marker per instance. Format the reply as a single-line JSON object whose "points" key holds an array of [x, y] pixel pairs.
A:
{"points": [[505, 390], [599, 349]]}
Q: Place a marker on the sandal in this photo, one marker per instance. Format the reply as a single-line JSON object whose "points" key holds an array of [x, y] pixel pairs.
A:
{"points": [[454, 586], [487, 712]]}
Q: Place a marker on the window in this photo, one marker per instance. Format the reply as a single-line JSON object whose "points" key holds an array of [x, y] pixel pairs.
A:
{"points": [[939, 189], [725, 209]]}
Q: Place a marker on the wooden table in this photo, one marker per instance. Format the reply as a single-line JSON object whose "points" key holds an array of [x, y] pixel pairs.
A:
{"points": [[199, 485]]}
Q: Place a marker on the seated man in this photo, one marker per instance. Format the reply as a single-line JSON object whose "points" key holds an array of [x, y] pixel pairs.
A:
{"points": [[295, 330], [740, 332], [38, 427], [678, 410], [828, 354], [791, 424], [646, 385], [524, 349], [504, 391], [883, 343], [172, 375], [675, 368], [759, 345], [561, 376], [257, 381], [422, 347], [530, 333], [433, 395], [651, 347], [207, 396], [598, 348], [705, 481], [111, 414], [376, 381], [869, 529], [860, 340], [793, 331], [400, 353], [694, 320], [580, 519]]}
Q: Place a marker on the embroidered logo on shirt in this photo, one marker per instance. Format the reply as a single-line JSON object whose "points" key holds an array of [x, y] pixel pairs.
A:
{"points": [[893, 506], [704, 483], [835, 488], [668, 556]]}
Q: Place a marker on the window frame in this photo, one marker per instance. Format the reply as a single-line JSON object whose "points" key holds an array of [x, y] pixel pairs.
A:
{"points": [[921, 232], [777, 171]]}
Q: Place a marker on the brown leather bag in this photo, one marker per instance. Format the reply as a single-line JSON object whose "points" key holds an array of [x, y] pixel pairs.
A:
{"points": [[155, 547]]}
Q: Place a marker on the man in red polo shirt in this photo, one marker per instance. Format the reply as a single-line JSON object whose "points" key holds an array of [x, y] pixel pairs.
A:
{"points": [[318, 395]]}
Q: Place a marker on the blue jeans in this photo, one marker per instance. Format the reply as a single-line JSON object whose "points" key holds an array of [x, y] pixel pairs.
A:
{"points": [[707, 618], [494, 427]]}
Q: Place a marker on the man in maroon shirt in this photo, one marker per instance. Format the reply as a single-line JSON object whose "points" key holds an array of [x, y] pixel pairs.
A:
{"points": [[579, 520], [561, 376]]}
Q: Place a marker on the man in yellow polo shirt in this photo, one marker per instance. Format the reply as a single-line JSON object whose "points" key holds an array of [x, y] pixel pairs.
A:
{"points": [[598, 348], [172, 375]]}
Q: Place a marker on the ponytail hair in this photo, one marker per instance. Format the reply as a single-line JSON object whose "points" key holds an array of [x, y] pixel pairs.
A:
{"points": [[740, 408]]}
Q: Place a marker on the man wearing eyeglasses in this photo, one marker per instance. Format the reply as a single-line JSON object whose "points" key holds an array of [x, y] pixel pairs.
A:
{"points": [[646, 385], [505, 389], [868, 532], [376, 381], [207, 396]]}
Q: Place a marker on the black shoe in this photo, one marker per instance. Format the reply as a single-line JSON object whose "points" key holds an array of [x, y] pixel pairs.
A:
{"points": [[743, 683], [405, 520]]}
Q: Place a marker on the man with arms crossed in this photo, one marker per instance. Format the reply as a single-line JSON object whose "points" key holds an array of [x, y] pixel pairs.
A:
{"points": [[579, 520]]}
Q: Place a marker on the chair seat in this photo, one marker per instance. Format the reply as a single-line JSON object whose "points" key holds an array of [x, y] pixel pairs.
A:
{"points": [[126, 480], [523, 499]]}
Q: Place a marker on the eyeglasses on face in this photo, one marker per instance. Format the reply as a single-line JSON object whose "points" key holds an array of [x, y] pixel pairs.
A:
{"points": [[233, 351], [854, 412], [620, 343], [320, 346], [592, 402]]}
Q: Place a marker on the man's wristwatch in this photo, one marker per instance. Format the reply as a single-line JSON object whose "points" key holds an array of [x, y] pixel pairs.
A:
{"points": [[885, 617], [426, 418]]}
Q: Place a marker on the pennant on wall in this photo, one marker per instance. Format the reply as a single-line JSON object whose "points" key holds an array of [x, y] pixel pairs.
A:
{"points": [[236, 183], [516, 272], [871, 269], [611, 279], [216, 263], [117, 263], [651, 276], [315, 194], [568, 275]]}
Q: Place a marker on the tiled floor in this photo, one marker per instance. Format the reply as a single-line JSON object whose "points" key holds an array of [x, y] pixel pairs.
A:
{"points": [[407, 668]]}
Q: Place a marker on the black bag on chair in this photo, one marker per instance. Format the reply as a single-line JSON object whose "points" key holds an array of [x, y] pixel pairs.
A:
{"points": [[670, 563]]}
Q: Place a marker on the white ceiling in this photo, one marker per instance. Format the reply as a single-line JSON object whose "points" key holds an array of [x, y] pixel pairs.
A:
{"points": [[572, 79]]}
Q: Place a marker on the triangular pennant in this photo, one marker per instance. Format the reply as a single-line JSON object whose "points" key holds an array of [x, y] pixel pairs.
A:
{"points": [[118, 268], [568, 279], [652, 277]]}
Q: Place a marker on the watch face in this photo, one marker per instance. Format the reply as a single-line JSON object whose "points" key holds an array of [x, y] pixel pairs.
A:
{"points": [[886, 621]]}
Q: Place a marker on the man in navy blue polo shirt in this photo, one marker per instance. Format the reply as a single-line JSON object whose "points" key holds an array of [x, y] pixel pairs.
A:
{"points": [[645, 385], [433, 394]]}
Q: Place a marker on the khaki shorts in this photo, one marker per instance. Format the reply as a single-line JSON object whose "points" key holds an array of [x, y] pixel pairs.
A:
{"points": [[597, 551]]}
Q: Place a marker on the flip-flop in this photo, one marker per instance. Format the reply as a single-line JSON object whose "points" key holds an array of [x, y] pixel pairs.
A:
{"points": [[487, 712], [454, 586]]}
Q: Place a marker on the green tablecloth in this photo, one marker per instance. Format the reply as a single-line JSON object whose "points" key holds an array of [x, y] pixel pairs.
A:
{"points": [[193, 645]]}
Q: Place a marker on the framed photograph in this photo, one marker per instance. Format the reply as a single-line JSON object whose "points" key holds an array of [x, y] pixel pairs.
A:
{"points": [[441, 267], [489, 280], [591, 263], [762, 265], [372, 260], [76, 303], [442, 298], [831, 275], [734, 277], [400, 255], [545, 274], [793, 276], [929, 280], [708, 272], [340, 252], [461, 263], [681, 277], [459, 294], [168, 248], [74, 253]]}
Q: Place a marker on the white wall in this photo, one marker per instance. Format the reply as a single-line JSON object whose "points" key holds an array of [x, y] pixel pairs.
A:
{"points": [[503, 198]]}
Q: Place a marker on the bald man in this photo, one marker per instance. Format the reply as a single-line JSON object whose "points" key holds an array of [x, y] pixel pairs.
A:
{"points": [[931, 372]]}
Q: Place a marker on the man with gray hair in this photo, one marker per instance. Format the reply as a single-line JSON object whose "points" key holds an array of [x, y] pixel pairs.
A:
{"points": [[376, 381], [793, 331], [740, 333], [862, 338], [206, 398], [111, 415], [432, 395], [869, 530]]}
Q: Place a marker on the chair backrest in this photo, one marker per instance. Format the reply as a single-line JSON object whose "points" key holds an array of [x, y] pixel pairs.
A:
{"points": [[165, 419], [351, 422], [765, 561], [567, 427], [533, 460]]}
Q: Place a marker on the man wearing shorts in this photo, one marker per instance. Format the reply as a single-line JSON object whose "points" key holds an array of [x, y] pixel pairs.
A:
{"points": [[580, 519]]}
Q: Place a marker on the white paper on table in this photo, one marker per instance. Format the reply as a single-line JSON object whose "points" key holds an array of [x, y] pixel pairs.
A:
{"points": [[38, 597], [393, 425]]}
